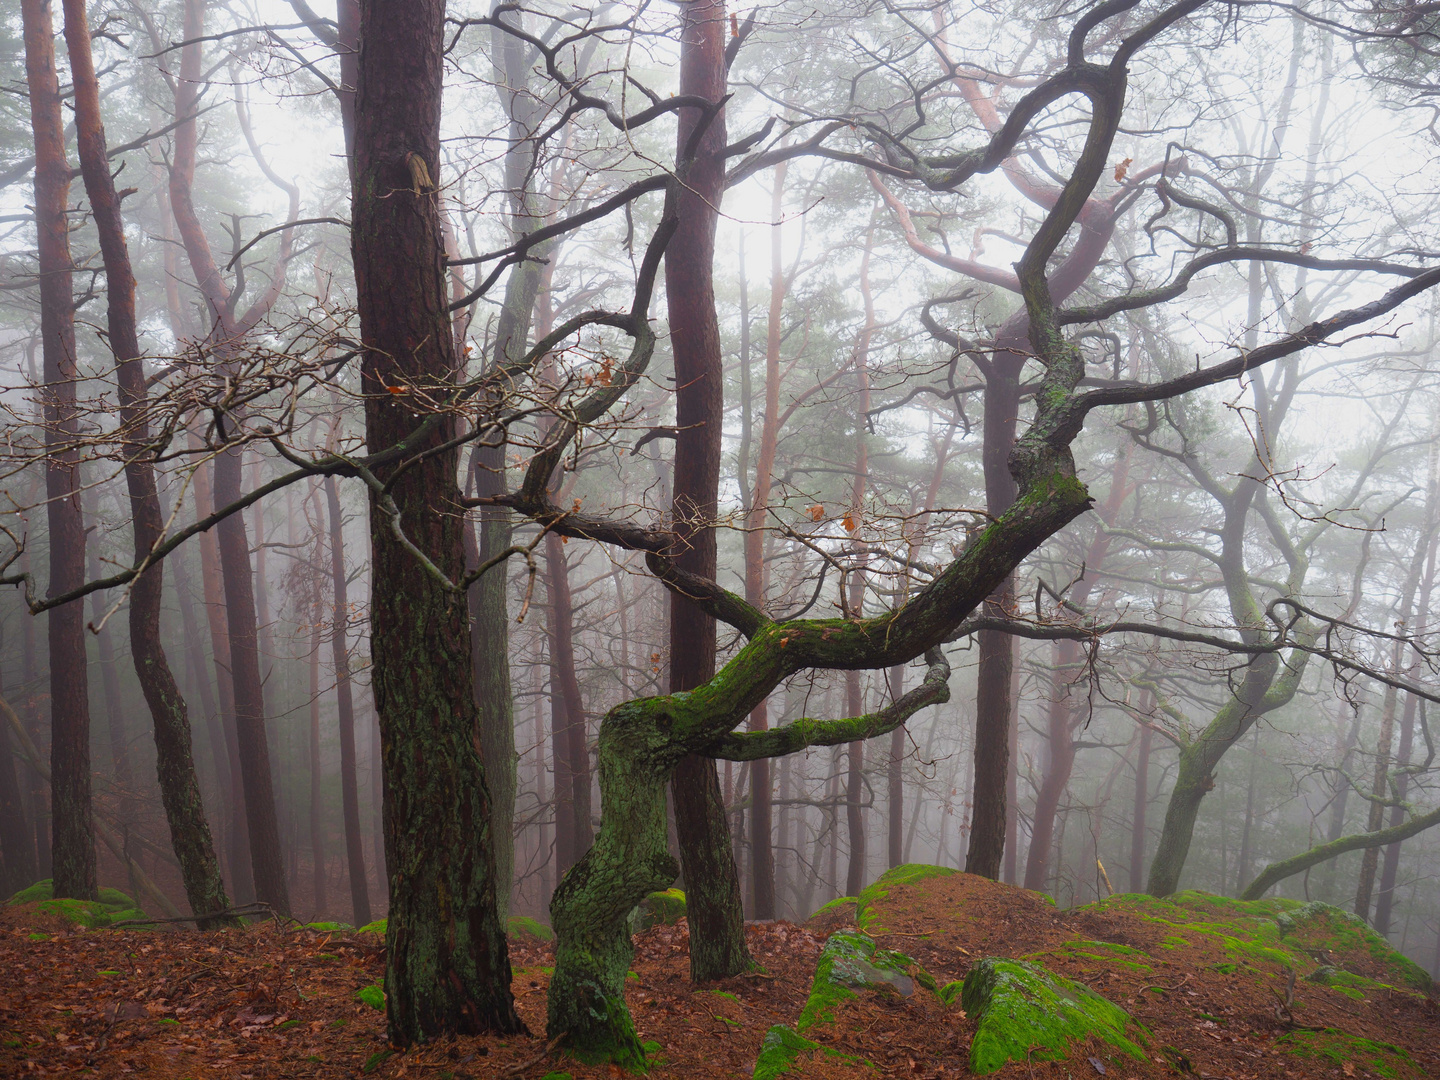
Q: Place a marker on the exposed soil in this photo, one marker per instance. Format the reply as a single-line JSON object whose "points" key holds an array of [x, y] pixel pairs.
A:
{"points": [[266, 1002]]}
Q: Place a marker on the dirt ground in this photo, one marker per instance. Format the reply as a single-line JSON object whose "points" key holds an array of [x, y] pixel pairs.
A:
{"points": [[267, 1002]]}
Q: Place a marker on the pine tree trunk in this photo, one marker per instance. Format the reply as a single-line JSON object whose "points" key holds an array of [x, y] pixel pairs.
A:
{"points": [[447, 964], [17, 842], [72, 821], [175, 763], [320, 901], [713, 902], [345, 711], [895, 780], [1137, 815]]}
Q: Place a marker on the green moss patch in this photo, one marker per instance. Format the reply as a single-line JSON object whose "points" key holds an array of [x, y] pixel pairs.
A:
{"points": [[524, 926], [851, 961], [328, 927], [112, 905], [879, 889], [379, 926], [660, 909], [1333, 1045], [1316, 926], [1107, 953], [1025, 1013], [372, 995]]}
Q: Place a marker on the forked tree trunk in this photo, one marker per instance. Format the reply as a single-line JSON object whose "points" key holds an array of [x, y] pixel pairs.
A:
{"points": [[713, 901], [345, 711], [174, 755], [73, 826], [447, 963]]}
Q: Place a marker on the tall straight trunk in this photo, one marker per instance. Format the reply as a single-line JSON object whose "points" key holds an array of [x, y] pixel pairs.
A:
{"points": [[39, 816], [895, 780], [317, 832], [716, 913], [120, 772], [1137, 814], [854, 699], [72, 820], [345, 711], [563, 789], [237, 833], [262, 826], [1422, 565], [227, 334], [17, 843], [572, 738], [1385, 898], [1340, 800], [762, 855], [174, 754], [447, 962], [1012, 780], [1242, 873], [996, 649], [1059, 764]]}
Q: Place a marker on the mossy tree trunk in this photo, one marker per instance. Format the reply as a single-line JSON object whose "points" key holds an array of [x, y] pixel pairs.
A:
{"points": [[447, 966]]}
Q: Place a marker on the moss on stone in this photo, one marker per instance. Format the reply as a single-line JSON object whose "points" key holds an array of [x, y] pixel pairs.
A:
{"points": [[1333, 1045], [852, 961], [664, 908], [111, 905], [328, 927], [1025, 1013], [525, 926], [1337, 931], [379, 926], [778, 1052]]}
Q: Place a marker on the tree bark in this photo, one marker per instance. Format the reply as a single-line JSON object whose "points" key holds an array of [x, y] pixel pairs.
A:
{"points": [[447, 962], [715, 910], [72, 820], [345, 711], [895, 780], [995, 649], [573, 737], [175, 762], [320, 903], [1137, 816], [17, 842]]}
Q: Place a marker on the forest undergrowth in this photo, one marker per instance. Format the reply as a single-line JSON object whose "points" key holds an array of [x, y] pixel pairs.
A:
{"points": [[1216, 988]]}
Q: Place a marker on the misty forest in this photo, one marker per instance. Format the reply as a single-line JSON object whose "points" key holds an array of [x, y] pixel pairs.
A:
{"points": [[891, 538]]}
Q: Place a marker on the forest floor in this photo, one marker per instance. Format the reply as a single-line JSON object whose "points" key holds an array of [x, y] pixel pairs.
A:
{"points": [[1219, 989]]}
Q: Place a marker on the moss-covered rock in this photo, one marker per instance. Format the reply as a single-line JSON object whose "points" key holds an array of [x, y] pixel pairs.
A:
{"points": [[851, 961], [1325, 928], [379, 926], [778, 1052], [659, 909], [112, 905], [524, 926], [328, 927], [1024, 1013], [1333, 1045]]}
